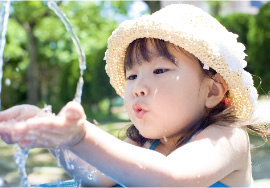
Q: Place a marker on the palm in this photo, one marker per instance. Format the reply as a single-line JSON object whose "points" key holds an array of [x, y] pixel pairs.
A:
{"points": [[20, 113]]}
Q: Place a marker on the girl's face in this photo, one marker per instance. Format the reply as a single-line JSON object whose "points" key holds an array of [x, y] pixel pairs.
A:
{"points": [[162, 98]]}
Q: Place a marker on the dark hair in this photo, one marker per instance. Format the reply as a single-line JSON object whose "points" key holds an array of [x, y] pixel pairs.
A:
{"points": [[138, 51]]}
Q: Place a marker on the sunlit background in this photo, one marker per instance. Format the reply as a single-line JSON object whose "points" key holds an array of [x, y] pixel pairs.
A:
{"points": [[41, 67]]}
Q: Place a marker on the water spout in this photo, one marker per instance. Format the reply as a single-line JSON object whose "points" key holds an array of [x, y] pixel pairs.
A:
{"points": [[4, 14], [82, 65], [21, 154], [82, 60], [20, 158]]}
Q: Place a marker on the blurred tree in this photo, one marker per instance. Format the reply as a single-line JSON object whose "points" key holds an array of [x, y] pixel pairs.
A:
{"points": [[240, 24], [259, 40], [29, 22], [41, 39], [215, 7], [153, 5]]}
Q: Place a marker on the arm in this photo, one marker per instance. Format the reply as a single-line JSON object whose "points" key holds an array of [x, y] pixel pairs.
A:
{"points": [[16, 118], [89, 175], [11, 119], [211, 156]]}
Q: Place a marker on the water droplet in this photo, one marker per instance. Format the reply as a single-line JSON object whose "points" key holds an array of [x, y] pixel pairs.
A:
{"points": [[7, 81], [165, 138], [91, 174], [95, 122], [17, 69], [70, 166], [139, 165]]}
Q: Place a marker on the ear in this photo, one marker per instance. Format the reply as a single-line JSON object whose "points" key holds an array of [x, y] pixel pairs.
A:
{"points": [[216, 92]]}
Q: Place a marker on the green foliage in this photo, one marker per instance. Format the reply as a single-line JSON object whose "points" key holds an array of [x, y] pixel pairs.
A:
{"points": [[259, 37], [240, 24], [56, 56], [254, 33], [215, 7]]}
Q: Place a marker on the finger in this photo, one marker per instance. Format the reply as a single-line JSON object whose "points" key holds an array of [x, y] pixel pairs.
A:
{"points": [[43, 140], [45, 123], [10, 113], [19, 113], [10, 132], [73, 111]]}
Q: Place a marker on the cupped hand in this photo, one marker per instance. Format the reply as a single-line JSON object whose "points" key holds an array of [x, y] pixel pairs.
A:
{"points": [[12, 116], [21, 113], [64, 130]]}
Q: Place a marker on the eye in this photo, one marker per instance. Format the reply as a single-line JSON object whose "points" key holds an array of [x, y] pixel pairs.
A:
{"points": [[131, 77], [160, 71]]}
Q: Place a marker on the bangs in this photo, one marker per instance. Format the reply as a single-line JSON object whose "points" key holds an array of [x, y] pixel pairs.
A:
{"points": [[138, 51]]}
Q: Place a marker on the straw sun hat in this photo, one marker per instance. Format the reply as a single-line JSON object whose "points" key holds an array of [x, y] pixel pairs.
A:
{"points": [[198, 33]]}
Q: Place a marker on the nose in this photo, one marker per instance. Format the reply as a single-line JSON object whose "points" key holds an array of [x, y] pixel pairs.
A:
{"points": [[141, 88]]}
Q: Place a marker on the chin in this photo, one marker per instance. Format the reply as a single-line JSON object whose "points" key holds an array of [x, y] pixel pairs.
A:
{"points": [[149, 135]]}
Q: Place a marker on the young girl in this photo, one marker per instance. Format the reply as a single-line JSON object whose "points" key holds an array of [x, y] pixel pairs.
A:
{"points": [[185, 90]]}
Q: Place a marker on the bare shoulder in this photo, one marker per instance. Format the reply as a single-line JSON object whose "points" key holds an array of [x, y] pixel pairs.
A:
{"points": [[218, 153], [233, 144], [234, 137]]}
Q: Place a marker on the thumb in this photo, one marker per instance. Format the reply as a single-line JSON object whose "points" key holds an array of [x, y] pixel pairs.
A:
{"points": [[73, 111]]}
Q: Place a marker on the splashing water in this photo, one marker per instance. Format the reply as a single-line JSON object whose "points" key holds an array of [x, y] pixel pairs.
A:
{"points": [[92, 174], [68, 158], [4, 14], [82, 64], [21, 154], [78, 181], [20, 158], [57, 156], [82, 60]]}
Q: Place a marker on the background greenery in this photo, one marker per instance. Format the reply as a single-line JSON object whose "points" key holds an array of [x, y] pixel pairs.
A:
{"points": [[41, 63]]}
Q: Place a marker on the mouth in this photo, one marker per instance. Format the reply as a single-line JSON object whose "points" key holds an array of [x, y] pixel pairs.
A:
{"points": [[139, 111]]}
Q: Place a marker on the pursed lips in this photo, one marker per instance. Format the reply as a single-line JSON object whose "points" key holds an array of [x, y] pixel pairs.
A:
{"points": [[139, 111]]}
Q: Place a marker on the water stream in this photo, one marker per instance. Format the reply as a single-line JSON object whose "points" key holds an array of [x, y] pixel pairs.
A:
{"points": [[82, 64], [21, 154], [82, 60], [20, 158], [4, 14]]}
